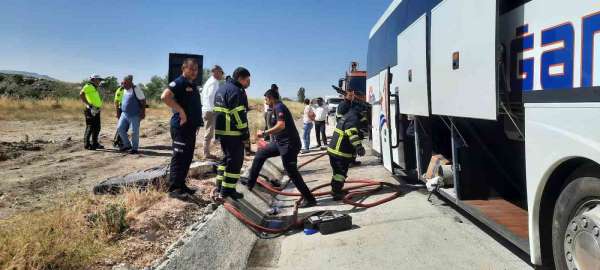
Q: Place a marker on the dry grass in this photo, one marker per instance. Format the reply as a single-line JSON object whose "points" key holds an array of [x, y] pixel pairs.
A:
{"points": [[61, 109], [256, 119], [74, 234]]}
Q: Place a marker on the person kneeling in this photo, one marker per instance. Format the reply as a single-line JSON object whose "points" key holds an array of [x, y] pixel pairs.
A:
{"points": [[285, 142]]}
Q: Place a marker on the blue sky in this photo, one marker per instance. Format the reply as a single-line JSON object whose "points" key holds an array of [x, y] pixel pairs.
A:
{"points": [[306, 43]]}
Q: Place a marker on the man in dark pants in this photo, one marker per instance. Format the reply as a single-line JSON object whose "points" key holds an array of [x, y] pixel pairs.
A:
{"points": [[183, 97], [285, 143], [346, 141], [231, 129], [90, 96]]}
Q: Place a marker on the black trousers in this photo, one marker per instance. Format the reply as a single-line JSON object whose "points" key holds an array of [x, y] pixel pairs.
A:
{"points": [[233, 150], [289, 157], [92, 128], [184, 142], [320, 132], [117, 139], [340, 166]]}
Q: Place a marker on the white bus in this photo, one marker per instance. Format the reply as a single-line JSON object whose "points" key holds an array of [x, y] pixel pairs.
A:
{"points": [[507, 92]]}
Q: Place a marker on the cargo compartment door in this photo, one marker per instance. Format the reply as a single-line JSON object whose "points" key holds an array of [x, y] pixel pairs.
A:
{"points": [[463, 59], [411, 77], [374, 98]]}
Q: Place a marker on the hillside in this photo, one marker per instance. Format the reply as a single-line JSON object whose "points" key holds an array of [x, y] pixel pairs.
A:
{"points": [[27, 74], [30, 86]]}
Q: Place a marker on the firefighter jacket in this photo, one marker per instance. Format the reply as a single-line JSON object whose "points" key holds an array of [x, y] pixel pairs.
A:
{"points": [[346, 136], [230, 111]]}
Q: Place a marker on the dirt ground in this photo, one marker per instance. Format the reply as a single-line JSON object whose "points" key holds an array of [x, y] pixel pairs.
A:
{"points": [[41, 160]]}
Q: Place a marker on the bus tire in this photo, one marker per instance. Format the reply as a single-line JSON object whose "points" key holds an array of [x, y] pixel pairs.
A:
{"points": [[576, 223]]}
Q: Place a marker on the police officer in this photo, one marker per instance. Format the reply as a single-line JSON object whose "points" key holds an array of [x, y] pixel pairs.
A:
{"points": [[183, 97], [90, 96], [346, 141], [231, 129], [285, 143]]}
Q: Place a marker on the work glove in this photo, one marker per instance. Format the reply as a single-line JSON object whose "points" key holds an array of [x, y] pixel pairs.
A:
{"points": [[360, 150]]}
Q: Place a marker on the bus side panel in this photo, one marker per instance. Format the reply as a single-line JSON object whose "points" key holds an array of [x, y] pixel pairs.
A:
{"points": [[463, 61], [555, 130], [551, 138], [411, 74], [373, 87]]}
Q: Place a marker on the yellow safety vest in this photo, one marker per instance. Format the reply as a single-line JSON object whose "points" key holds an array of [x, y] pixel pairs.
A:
{"points": [[91, 95]]}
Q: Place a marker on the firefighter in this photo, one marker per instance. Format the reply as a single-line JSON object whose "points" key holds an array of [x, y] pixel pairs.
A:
{"points": [[285, 142], [345, 143], [351, 100], [345, 105], [231, 129], [183, 97]]}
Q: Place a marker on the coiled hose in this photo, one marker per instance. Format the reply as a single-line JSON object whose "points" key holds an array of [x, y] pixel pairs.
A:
{"points": [[355, 189]]}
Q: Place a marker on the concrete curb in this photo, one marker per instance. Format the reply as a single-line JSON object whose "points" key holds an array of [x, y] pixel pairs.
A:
{"points": [[219, 240]]}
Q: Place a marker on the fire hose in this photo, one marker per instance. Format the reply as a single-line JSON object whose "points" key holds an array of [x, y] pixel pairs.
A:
{"points": [[361, 183], [355, 190]]}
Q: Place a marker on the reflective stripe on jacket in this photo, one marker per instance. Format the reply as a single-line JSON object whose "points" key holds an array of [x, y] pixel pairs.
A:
{"points": [[346, 136], [230, 111]]}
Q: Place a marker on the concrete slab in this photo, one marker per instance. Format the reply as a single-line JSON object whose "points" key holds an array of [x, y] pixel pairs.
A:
{"points": [[407, 233]]}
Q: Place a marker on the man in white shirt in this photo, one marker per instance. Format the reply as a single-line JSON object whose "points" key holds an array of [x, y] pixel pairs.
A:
{"points": [[133, 107], [208, 99], [321, 111], [308, 117]]}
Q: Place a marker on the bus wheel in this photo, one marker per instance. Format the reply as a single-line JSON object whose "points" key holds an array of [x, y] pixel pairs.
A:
{"points": [[576, 225]]}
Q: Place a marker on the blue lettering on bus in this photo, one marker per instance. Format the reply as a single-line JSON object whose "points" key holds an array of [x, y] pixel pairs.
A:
{"points": [[521, 75], [590, 27], [563, 34]]}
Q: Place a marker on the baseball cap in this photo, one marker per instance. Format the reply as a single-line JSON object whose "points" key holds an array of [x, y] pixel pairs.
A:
{"points": [[96, 77]]}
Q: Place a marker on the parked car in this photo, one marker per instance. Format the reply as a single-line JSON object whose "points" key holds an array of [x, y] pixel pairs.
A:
{"points": [[332, 103]]}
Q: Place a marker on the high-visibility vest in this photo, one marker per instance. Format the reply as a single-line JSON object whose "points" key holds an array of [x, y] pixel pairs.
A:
{"points": [[91, 95], [119, 95]]}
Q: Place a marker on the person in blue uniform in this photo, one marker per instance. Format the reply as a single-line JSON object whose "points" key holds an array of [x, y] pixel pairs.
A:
{"points": [[285, 142], [183, 97], [231, 129]]}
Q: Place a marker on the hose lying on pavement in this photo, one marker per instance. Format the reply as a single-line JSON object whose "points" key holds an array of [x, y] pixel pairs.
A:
{"points": [[353, 191]]}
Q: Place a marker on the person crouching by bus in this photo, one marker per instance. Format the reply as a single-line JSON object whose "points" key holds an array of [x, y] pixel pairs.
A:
{"points": [[183, 97], [285, 142], [345, 142]]}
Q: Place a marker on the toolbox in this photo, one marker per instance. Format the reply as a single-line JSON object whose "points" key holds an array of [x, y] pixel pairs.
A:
{"points": [[329, 222]]}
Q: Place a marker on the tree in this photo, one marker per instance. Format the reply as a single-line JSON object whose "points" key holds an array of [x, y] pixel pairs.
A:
{"points": [[155, 87], [205, 75], [108, 87], [301, 94]]}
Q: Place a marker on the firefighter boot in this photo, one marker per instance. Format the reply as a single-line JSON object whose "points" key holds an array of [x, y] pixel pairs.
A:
{"points": [[336, 190]]}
